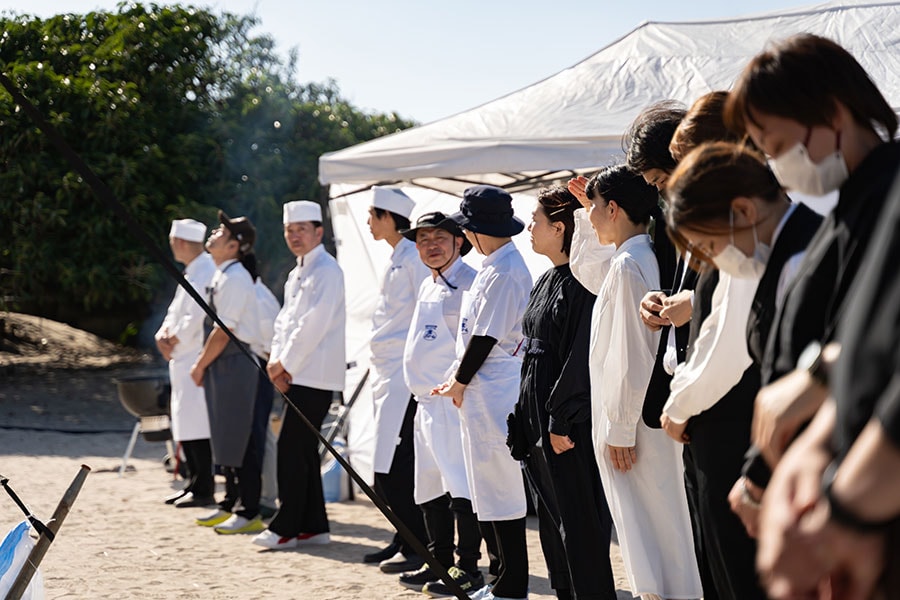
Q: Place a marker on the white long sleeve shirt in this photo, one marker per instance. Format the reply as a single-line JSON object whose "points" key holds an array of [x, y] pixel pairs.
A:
{"points": [[184, 318], [720, 356], [623, 349], [231, 293], [309, 330], [588, 258], [393, 314]]}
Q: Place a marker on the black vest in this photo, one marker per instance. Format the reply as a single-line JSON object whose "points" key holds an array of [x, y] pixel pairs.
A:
{"points": [[795, 236], [658, 387]]}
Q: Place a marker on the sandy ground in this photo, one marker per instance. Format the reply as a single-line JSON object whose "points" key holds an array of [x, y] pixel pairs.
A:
{"points": [[121, 541]]}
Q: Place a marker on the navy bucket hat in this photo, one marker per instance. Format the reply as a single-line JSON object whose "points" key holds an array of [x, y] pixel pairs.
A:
{"points": [[487, 210]]}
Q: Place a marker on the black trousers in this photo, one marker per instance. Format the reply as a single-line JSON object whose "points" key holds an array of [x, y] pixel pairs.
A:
{"points": [[198, 457], [716, 455], [396, 486], [302, 504], [243, 484], [506, 545], [440, 515], [573, 517]]}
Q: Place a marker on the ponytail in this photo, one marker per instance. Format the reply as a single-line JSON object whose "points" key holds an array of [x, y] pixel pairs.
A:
{"points": [[249, 262]]}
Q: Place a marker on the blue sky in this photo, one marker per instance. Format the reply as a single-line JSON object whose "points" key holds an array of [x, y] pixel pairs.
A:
{"points": [[426, 59]]}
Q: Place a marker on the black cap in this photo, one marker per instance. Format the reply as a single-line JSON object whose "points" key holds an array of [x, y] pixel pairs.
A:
{"points": [[487, 209], [437, 220], [241, 229]]}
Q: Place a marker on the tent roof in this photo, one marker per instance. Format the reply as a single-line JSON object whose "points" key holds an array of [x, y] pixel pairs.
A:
{"points": [[574, 120]]}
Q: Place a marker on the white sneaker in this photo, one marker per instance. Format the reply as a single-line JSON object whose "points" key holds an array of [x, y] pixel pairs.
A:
{"points": [[271, 540], [313, 539], [238, 524], [481, 593]]}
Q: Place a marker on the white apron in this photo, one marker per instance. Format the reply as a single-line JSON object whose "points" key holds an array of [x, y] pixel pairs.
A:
{"points": [[495, 478], [390, 397], [428, 358], [190, 419]]}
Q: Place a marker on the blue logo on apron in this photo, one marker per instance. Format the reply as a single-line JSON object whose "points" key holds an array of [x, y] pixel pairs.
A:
{"points": [[464, 325], [430, 332]]}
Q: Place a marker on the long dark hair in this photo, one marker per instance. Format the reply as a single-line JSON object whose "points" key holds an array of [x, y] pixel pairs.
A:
{"points": [[560, 205], [646, 143]]}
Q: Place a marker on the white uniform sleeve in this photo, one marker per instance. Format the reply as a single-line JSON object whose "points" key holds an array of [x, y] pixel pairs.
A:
{"points": [[719, 357], [232, 300], [169, 322], [314, 323], [629, 363], [500, 308], [588, 258]]}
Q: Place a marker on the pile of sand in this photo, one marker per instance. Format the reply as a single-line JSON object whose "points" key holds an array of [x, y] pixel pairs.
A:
{"points": [[28, 341]]}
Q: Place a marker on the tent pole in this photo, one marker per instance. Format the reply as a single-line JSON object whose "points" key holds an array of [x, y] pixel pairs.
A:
{"points": [[43, 544]]}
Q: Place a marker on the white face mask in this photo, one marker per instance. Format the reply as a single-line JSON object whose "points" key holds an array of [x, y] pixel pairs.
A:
{"points": [[795, 170], [737, 264]]}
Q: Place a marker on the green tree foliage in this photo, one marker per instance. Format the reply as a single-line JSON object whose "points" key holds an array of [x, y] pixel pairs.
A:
{"points": [[180, 111]]}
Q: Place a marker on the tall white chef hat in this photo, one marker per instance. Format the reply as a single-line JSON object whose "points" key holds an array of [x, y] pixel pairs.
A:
{"points": [[393, 200], [302, 210], [188, 229]]}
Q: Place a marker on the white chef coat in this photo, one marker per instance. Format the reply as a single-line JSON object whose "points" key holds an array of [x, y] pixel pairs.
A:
{"points": [[588, 258], [231, 291], [427, 361], [720, 356], [390, 324], [493, 307], [309, 330], [184, 320], [268, 308], [648, 503]]}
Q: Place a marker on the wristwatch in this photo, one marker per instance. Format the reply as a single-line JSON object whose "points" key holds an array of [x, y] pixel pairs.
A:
{"points": [[810, 360], [841, 514]]}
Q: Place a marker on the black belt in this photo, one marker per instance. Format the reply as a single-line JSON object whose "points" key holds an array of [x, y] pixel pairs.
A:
{"points": [[534, 346]]}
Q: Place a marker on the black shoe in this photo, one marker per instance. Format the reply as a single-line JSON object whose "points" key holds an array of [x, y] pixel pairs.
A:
{"points": [[416, 580], [469, 582], [383, 554], [189, 500], [401, 563], [171, 498], [267, 512]]}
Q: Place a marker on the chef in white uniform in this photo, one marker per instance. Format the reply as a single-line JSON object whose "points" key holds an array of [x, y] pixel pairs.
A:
{"points": [[441, 488], [180, 339], [308, 364], [485, 386], [394, 408]]}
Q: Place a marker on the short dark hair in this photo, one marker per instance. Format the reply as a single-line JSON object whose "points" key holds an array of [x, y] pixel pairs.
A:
{"points": [[646, 143], [800, 78], [400, 222], [559, 204]]}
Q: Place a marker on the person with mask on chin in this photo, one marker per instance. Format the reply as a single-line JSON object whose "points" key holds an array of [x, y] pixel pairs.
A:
{"points": [[727, 206], [812, 108]]}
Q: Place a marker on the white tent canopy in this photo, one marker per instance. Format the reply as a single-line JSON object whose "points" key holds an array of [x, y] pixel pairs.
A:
{"points": [[570, 122], [574, 120]]}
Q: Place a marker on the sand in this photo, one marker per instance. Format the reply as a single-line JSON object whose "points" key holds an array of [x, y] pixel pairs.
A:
{"points": [[121, 541]]}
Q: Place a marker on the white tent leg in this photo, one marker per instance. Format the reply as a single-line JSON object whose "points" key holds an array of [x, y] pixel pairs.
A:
{"points": [[130, 449]]}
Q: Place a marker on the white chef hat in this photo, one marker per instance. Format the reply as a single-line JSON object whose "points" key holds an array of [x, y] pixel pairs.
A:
{"points": [[302, 210], [393, 200], [188, 229]]}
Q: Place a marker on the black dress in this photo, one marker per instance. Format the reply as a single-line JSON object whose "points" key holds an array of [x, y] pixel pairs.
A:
{"points": [[575, 523]]}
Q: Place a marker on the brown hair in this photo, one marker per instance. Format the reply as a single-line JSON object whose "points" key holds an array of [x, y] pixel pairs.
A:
{"points": [[702, 123], [559, 204], [700, 190], [800, 78]]}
